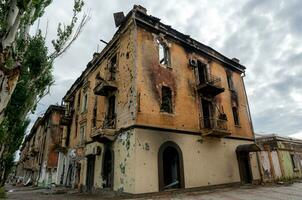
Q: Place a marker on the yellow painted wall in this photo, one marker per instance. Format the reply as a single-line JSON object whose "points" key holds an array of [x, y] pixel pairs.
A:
{"points": [[181, 79], [124, 162], [125, 95], [211, 162]]}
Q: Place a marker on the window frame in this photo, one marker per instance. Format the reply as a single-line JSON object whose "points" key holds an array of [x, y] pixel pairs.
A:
{"points": [[230, 81], [113, 68], [82, 133], [236, 116], [85, 102], [162, 106], [166, 53], [293, 160]]}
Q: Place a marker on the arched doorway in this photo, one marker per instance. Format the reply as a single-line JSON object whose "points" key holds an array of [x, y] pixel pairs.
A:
{"points": [[108, 169], [170, 167]]}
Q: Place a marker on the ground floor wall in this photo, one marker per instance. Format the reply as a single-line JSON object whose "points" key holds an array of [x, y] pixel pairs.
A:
{"points": [[68, 169], [280, 165], [207, 161], [135, 165], [47, 176], [120, 176]]}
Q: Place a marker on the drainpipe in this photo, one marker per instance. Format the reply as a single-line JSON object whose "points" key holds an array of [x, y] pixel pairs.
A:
{"points": [[252, 127]]}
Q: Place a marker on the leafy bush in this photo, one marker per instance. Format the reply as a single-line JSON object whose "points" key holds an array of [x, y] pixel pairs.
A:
{"points": [[2, 193]]}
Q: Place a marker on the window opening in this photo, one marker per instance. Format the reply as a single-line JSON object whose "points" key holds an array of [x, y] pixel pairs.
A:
{"points": [[166, 105]]}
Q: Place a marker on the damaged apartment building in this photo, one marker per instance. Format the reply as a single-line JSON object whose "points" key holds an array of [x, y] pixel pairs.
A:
{"points": [[41, 148], [156, 110]]}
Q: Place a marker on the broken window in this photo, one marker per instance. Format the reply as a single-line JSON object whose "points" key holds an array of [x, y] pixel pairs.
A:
{"points": [[79, 100], [112, 67], [235, 115], [110, 118], [76, 126], [292, 156], [85, 100], [230, 80], [82, 134], [166, 104], [94, 118], [67, 142], [202, 72], [163, 53]]}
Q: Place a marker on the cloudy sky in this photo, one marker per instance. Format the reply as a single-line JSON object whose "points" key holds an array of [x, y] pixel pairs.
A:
{"points": [[264, 35]]}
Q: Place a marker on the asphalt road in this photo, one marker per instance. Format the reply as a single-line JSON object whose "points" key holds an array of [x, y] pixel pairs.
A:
{"points": [[274, 192]]}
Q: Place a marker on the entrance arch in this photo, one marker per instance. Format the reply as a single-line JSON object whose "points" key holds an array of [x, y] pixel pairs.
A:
{"points": [[170, 167]]}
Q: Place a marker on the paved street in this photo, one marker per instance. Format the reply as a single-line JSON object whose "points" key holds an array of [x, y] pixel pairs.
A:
{"points": [[289, 192]]}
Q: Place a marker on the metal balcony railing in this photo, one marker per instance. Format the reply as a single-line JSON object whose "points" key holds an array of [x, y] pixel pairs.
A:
{"points": [[67, 118], [210, 85], [212, 80], [214, 123], [109, 122]]}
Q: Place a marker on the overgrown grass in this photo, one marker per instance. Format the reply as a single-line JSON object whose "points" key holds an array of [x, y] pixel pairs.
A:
{"points": [[2, 193]]}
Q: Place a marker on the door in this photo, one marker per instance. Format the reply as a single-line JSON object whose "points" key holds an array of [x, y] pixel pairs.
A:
{"points": [[108, 169], [170, 162], [171, 168], [202, 72], [90, 173], [111, 108], [244, 167], [206, 112]]}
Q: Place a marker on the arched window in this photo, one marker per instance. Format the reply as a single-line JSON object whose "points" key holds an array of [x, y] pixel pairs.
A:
{"points": [[163, 53]]}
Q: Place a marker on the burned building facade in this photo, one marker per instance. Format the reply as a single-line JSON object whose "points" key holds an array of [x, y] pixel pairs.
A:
{"points": [[157, 110], [40, 150]]}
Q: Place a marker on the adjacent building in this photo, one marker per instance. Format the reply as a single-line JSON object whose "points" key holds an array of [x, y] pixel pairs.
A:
{"points": [[280, 158], [41, 147], [157, 110]]}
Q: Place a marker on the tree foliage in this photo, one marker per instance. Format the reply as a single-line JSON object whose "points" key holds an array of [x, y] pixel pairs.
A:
{"points": [[35, 61]]}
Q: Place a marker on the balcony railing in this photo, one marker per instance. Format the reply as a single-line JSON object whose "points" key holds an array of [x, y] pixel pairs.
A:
{"points": [[215, 127], [67, 118], [109, 122], [211, 86], [107, 129]]}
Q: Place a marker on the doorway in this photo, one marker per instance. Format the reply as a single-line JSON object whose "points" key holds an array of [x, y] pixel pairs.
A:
{"points": [[107, 171], [202, 72], [90, 173], [206, 113], [244, 167], [170, 162]]}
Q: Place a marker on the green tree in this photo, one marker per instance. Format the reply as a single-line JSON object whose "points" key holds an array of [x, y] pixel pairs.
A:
{"points": [[16, 18], [26, 68]]}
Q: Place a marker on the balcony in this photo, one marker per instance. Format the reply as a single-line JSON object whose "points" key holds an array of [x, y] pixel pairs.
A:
{"points": [[214, 127], [211, 86], [67, 118], [104, 87], [106, 131]]}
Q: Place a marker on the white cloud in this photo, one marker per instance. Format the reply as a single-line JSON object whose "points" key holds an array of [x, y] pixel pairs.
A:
{"points": [[264, 35], [297, 135]]}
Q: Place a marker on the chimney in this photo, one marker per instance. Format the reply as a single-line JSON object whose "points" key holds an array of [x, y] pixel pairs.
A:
{"points": [[95, 54], [119, 18], [140, 8], [236, 60]]}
